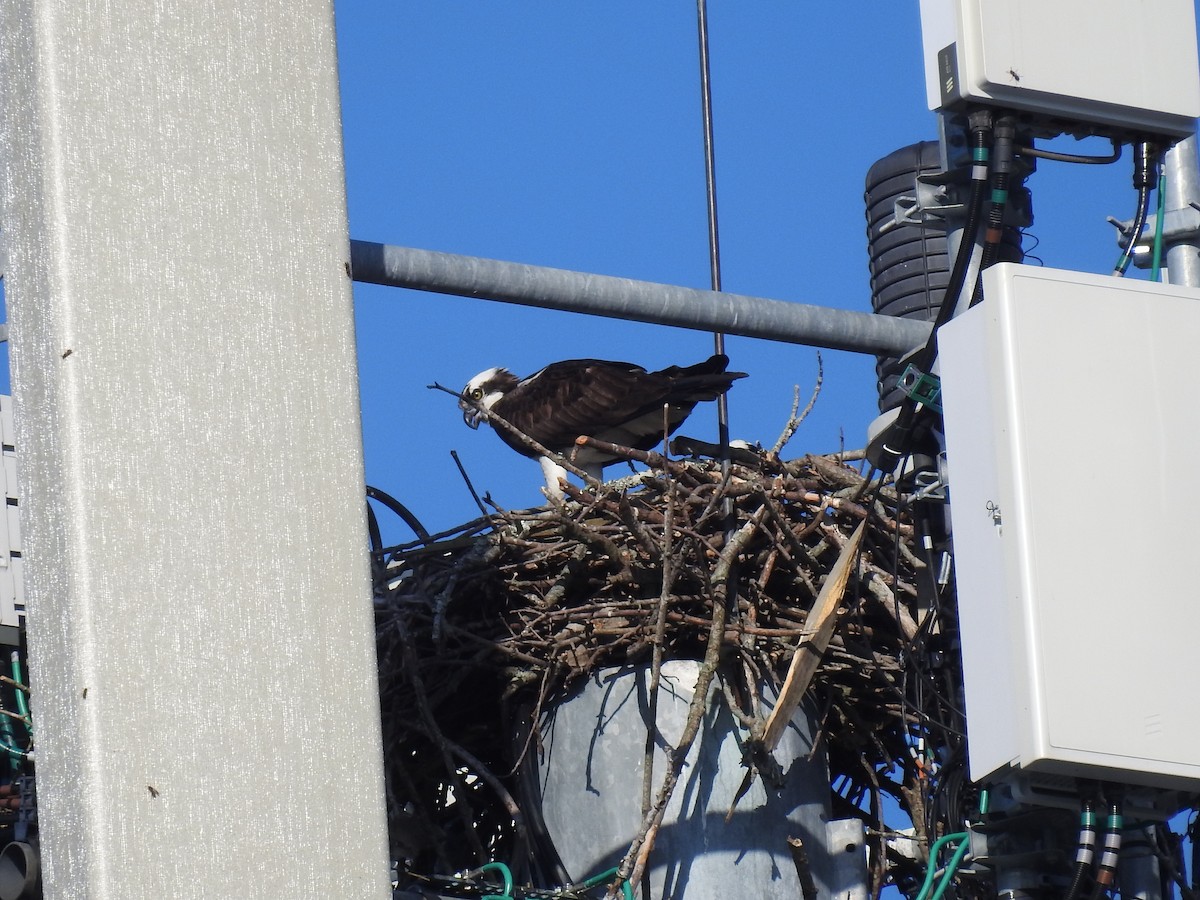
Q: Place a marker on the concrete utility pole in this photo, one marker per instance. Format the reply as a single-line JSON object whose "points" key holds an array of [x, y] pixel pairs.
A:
{"points": [[201, 634]]}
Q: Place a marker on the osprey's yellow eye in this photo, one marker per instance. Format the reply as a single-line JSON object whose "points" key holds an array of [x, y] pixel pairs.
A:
{"points": [[477, 393]]}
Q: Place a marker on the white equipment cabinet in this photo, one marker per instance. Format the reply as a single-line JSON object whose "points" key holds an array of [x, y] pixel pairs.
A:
{"points": [[1111, 66], [1072, 413]]}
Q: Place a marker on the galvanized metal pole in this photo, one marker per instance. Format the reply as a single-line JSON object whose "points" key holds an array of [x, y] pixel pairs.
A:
{"points": [[638, 301], [1183, 189], [184, 375], [714, 233]]}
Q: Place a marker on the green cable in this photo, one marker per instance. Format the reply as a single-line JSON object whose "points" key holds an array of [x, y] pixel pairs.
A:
{"points": [[951, 869], [626, 887], [932, 868], [14, 752], [1156, 263], [22, 706], [8, 737], [597, 879], [505, 874]]}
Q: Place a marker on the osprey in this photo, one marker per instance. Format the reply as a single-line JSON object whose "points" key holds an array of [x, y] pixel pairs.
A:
{"points": [[616, 402]]}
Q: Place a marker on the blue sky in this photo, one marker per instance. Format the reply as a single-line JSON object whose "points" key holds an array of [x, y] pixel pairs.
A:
{"points": [[568, 134]]}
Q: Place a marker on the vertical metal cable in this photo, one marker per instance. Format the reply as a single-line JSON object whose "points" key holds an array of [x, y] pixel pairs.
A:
{"points": [[714, 240], [714, 265]]}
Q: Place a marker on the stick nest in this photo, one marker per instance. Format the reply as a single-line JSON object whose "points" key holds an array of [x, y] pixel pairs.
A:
{"points": [[516, 607]]}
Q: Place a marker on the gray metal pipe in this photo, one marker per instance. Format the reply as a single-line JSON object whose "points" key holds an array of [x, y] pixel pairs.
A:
{"points": [[639, 301], [1183, 189]]}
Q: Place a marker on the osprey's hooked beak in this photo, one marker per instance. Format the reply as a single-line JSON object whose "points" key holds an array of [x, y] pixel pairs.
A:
{"points": [[471, 415]]}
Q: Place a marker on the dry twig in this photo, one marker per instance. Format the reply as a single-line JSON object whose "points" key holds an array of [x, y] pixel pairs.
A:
{"points": [[794, 420]]}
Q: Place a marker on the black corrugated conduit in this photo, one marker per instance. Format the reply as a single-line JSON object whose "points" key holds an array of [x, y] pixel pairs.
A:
{"points": [[909, 262]]}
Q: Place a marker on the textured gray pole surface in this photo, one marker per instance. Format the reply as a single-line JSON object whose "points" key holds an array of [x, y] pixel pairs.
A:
{"points": [[1183, 189], [720, 838], [639, 301], [201, 634]]}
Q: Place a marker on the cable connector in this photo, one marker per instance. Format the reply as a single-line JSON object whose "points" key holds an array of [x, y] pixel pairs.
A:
{"points": [[1004, 146], [1146, 156], [1106, 874], [979, 120]]}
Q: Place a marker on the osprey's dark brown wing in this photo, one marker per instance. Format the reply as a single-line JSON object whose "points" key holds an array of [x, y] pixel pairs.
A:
{"points": [[613, 401]]}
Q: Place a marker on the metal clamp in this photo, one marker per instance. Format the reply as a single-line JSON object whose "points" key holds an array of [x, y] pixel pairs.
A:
{"points": [[923, 388]]}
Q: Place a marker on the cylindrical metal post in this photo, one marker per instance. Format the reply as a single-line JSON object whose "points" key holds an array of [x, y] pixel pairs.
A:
{"points": [[1183, 189], [638, 301]]}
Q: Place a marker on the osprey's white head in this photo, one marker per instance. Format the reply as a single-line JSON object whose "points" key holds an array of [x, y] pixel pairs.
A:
{"points": [[483, 391]]}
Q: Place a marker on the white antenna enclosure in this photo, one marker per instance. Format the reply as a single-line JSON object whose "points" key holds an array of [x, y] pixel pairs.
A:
{"points": [[1072, 440], [1078, 66]]}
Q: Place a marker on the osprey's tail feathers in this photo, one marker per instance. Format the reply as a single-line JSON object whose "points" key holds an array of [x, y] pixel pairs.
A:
{"points": [[715, 364], [703, 381]]}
